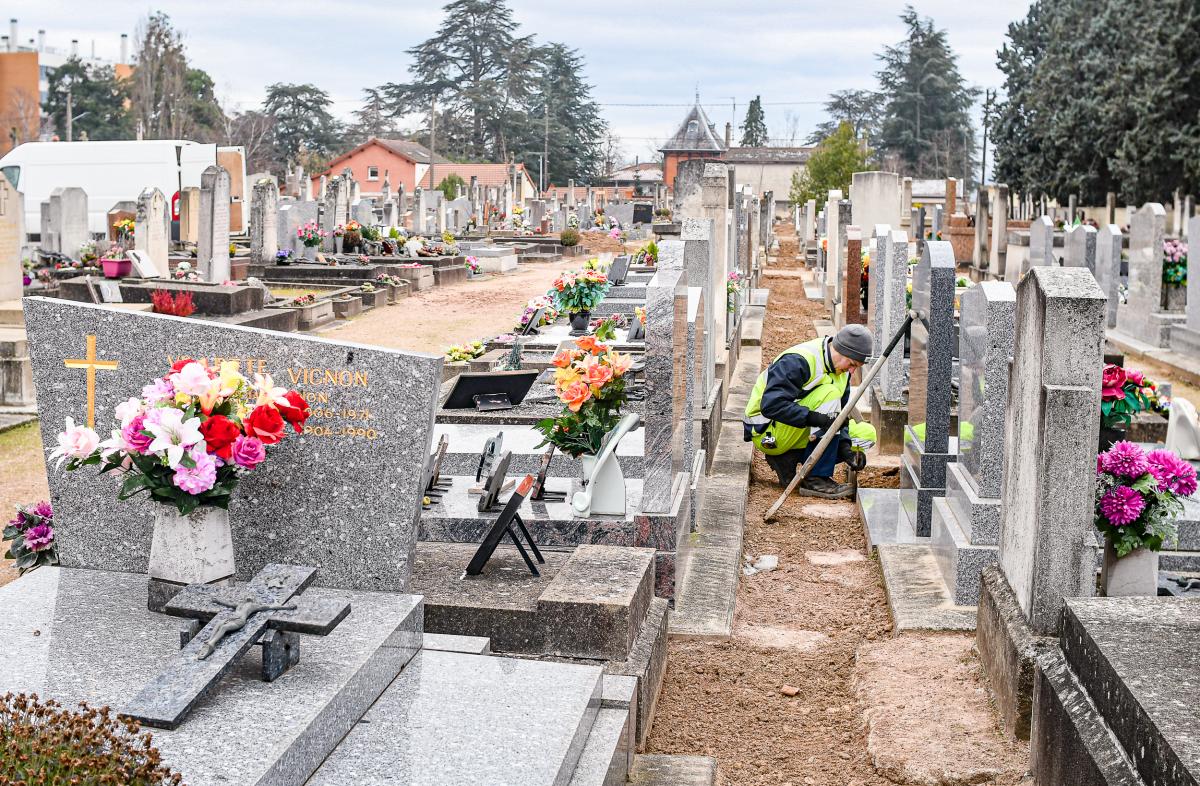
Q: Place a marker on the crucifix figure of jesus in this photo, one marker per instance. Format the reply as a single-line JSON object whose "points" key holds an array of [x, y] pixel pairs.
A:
{"points": [[269, 608]]}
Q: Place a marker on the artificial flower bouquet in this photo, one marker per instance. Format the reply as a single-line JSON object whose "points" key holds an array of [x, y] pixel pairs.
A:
{"points": [[648, 255], [472, 265], [310, 234], [640, 314], [734, 283], [124, 228], [460, 353], [1138, 496], [1123, 394], [576, 291], [549, 311], [191, 436], [1174, 264], [590, 382], [31, 537]]}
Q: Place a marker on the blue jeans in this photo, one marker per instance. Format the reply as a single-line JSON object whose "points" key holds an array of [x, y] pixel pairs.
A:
{"points": [[786, 464]]}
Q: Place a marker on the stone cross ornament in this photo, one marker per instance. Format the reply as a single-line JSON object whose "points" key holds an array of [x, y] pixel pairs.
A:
{"points": [[269, 608]]}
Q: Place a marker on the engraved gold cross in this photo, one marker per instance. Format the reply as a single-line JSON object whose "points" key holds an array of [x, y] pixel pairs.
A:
{"points": [[91, 364]]}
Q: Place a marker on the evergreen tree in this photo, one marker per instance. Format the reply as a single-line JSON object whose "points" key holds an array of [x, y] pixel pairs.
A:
{"points": [[859, 108], [926, 123], [98, 100], [754, 127], [563, 118], [302, 122], [832, 165], [449, 185], [372, 120], [478, 71]]}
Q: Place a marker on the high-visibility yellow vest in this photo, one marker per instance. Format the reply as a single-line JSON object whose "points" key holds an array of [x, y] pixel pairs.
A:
{"points": [[824, 384]]}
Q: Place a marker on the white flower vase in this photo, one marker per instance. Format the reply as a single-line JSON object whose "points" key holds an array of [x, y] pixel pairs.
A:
{"points": [[1134, 575], [192, 549], [310, 253], [337, 244], [607, 487]]}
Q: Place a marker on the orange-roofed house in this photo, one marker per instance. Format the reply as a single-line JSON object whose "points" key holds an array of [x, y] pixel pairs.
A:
{"points": [[403, 162], [488, 175]]}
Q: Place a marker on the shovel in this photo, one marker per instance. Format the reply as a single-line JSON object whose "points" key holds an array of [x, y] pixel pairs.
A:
{"points": [[827, 438]]}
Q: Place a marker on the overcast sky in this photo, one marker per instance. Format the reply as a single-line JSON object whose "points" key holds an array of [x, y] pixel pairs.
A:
{"points": [[791, 52]]}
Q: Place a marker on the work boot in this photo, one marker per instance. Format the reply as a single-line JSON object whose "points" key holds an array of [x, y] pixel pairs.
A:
{"points": [[826, 488], [854, 459]]}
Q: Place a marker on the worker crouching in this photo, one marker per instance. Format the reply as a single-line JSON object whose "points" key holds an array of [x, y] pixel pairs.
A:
{"points": [[797, 398]]}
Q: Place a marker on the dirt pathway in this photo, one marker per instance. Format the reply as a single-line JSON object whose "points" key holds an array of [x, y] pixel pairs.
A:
{"points": [[798, 630]]}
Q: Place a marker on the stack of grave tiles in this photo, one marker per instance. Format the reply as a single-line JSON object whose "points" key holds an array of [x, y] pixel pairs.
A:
{"points": [[437, 716], [966, 523]]}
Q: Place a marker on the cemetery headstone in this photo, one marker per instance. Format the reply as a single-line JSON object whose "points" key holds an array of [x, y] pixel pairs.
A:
{"points": [[152, 229], [1143, 317], [1080, 247], [72, 229], [264, 217], [998, 242], [875, 197], [1041, 243], [189, 215], [11, 272], [367, 403], [666, 358], [212, 246], [1108, 268], [852, 305]]}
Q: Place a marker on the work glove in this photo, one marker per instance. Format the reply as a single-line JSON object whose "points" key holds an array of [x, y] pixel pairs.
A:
{"points": [[819, 420], [855, 459]]}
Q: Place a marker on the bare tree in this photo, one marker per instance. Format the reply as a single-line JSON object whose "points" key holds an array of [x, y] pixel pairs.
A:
{"points": [[19, 116], [158, 81], [255, 132]]}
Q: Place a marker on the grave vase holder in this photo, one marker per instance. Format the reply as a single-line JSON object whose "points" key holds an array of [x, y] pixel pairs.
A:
{"points": [[607, 487], [1134, 575], [310, 253], [337, 244], [192, 549], [579, 322]]}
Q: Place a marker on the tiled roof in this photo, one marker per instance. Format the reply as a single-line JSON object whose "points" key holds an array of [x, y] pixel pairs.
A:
{"points": [[488, 174], [413, 151], [695, 134], [768, 155]]}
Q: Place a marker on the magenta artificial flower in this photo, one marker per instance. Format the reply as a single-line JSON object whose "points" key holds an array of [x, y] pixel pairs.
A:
{"points": [[134, 438], [39, 538], [248, 452], [1125, 459], [1172, 473], [1121, 505], [198, 479], [44, 510], [19, 521]]}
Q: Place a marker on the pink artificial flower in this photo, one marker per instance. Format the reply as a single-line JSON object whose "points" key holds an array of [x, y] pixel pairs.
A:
{"points": [[193, 379], [1136, 377], [248, 452], [134, 438], [1126, 460], [127, 410], [1121, 505], [1112, 385], [198, 479], [1172, 473], [158, 391], [39, 538], [76, 442]]}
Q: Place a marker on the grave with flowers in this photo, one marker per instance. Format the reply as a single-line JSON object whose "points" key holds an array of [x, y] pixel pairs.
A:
{"points": [[259, 487]]}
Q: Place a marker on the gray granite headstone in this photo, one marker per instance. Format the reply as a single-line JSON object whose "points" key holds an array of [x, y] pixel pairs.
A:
{"points": [[212, 244], [1080, 247], [72, 229], [699, 245], [151, 232], [666, 368], [1108, 268], [1041, 242], [931, 372], [264, 219], [344, 496], [1143, 317], [1047, 538], [998, 242], [1193, 285]]}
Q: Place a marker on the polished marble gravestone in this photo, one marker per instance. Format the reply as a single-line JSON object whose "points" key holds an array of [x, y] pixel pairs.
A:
{"points": [[341, 496]]}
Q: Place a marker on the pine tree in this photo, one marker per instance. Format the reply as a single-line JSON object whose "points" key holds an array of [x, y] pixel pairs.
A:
{"points": [[926, 123], [98, 100], [754, 127], [562, 116], [372, 120], [859, 108], [832, 165], [302, 121]]}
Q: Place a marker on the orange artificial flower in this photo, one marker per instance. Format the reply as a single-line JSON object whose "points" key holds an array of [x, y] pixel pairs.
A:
{"points": [[562, 359], [598, 374], [589, 344], [575, 395], [619, 363]]}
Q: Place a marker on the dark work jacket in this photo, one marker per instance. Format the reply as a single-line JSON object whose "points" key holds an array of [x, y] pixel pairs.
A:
{"points": [[785, 386]]}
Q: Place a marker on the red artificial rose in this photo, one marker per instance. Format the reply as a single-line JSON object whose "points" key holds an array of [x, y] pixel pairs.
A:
{"points": [[264, 423], [177, 366], [1112, 385], [219, 433], [297, 410]]}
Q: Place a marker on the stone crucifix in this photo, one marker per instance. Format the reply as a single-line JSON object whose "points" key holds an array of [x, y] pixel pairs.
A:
{"points": [[268, 607]]}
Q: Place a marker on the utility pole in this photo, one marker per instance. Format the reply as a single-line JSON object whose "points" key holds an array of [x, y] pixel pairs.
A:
{"points": [[988, 97], [432, 136], [545, 147], [70, 113]]}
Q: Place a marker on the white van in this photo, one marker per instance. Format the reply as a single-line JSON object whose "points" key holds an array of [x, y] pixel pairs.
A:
{"points": [[110, 172]]}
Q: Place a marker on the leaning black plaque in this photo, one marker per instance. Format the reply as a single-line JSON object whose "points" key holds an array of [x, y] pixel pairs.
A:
{"points": [[530, 327], [505, 523], [488, 390], [619, 271], [637, 331], [539, 485], [494, 485]]}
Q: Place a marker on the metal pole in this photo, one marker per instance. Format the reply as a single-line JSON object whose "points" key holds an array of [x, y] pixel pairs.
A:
{"points": [[836, 426], [70, 113], [432, 136]]}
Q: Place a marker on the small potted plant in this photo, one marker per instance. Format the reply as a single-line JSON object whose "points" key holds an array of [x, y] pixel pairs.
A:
{"points": [[369, 294], [310, 236], [569, 237], [284, 256], [115, 263], [577, 293], [31, 537], [124, 230], [472, 266], [351, 236], [458, 356], [734, 284], [1137, 506]]}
